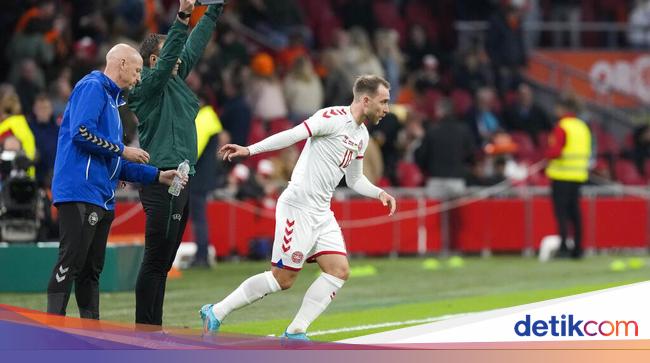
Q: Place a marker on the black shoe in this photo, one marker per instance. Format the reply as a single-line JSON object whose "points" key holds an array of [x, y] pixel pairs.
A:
{"points": [[199, 264], [577, 254]]}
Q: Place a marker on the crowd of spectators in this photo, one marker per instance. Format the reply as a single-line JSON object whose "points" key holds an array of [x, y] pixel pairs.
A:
{"points": [[460, 113]]}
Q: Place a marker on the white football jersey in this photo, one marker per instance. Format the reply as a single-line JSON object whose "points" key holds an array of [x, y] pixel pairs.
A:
{"points": [[335, 140]]}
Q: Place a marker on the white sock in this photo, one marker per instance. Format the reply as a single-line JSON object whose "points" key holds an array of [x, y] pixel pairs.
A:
{"points": [[317, 298], [251, 290]]}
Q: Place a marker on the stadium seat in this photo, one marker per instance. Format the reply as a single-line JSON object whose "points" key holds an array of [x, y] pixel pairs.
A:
{"points": [[606, 144], [627, 173], [257, 131], [409, 175], [388, 16], [526, 150], [462, 101], [278, 125]]}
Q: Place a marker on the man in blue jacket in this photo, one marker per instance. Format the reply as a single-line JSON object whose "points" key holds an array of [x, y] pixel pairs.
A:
{"points": [[90, 161]]}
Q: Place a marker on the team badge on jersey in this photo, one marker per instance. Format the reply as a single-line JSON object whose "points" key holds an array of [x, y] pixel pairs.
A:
{"points": [[297, 257]]}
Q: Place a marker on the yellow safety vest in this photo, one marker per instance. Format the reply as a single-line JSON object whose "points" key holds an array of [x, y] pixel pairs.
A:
{"points": [[207, 124], [573, 163], [19, 127]]}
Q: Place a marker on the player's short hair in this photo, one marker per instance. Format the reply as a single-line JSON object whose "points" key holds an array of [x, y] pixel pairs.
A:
{"points": [[368, 84], [150, 45]]}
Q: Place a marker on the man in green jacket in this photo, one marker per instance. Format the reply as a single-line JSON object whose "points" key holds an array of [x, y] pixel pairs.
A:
{"points": [[166, 109]]}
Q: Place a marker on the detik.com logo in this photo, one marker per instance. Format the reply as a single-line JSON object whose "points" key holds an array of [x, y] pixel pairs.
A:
{"points": [[569, 326]]}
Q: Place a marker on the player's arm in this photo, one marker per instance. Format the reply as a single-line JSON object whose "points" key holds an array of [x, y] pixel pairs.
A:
{"points": [[198, 39], [355, 179], [274, 142]]}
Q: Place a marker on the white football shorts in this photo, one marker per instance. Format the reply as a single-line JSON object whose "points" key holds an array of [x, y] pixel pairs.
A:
{"points": [[301, 236]]}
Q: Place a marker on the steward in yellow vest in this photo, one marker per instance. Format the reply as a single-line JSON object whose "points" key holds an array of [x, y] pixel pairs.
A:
{"points": [[568, 168]]}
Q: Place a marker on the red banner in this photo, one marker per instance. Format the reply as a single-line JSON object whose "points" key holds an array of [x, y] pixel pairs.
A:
{"points": [[621, 79]]}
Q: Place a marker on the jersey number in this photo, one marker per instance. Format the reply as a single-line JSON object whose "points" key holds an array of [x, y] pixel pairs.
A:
{"points": [[347, 159]]}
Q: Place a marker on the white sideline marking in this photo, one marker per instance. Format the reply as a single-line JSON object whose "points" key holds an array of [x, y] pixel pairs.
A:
{"points": [[383, 325]]}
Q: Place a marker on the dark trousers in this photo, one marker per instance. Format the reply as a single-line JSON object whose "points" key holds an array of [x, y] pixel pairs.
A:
{"points": [[566, 205], [198, 201], [166, 219], [84, 230]]}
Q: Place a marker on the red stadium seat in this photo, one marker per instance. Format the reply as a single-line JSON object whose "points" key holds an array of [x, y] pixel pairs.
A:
{"points": [[388, 16], [526, 150], [462, 101], [278, 125], [257, 131], [627, 173], [409, 175], [606, 144]]}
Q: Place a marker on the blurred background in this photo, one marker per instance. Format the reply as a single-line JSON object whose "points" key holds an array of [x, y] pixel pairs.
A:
{"points": [[473, 84]]}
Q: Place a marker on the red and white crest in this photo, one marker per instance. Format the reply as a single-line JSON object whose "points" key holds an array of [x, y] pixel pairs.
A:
{"points": [[297, 257]]}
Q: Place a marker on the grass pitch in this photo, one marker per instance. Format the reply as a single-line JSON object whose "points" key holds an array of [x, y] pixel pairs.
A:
{"points": [[400, 290]]}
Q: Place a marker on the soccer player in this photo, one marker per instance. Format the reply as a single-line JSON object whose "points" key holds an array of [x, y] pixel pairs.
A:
{"points": [[305, 227]]}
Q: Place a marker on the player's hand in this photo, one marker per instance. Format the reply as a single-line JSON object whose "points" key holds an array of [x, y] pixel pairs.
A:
{"points": [[231, 151], [388, 201], [135, 155], [186, 6], [167, 177]]}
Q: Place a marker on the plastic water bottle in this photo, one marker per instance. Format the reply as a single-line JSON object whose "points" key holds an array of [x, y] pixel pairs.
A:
{"points": [[184, 170]]}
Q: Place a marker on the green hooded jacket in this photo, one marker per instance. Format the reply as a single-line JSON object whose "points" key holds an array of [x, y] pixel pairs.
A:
{"points": [[164, 104]]}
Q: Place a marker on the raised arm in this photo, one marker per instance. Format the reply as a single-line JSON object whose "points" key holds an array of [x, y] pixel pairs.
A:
{"points": [[198, 39], [154, 82]]}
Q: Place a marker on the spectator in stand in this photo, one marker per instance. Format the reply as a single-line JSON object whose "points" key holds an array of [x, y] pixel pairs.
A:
{"points": [[236, 114], [373, 164], [272, 18], [483, 119], [360, 56], [43, 124], [60, 90], [264, 92], [410, 136], [296, 49], [357, 13], [385, 134], [446, 150], [390, 57], [236, 178], [30, 83], [569, 153], [478, 176], [14, 123], [338, 80], [283, 164], [639, 33], [525, 115], [640, 151], [506, 48], [474, 71], [303, 90], [427, 78], [230, 51], [33, 38], [418, 45]]}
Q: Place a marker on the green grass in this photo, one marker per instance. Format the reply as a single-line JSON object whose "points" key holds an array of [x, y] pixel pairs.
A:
{"points": [[401, 290]]}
